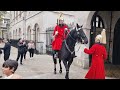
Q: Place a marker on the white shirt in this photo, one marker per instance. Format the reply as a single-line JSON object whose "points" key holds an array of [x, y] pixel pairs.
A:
{"points": [[8, 77]]}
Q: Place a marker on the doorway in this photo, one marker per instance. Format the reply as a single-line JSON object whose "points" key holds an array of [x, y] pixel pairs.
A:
{"points": [[116, 44]]}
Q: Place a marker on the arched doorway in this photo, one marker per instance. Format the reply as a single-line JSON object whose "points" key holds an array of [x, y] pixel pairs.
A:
{"points": [[116, 44], [97, 25], [37, 38], [29, 33], [19, 34]]}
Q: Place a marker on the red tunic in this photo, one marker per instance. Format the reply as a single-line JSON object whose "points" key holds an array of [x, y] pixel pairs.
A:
{"points": [[99, 54], [57, 42]]}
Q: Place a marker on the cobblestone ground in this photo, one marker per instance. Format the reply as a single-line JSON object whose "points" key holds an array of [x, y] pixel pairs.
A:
{"points": [[42, 67]]}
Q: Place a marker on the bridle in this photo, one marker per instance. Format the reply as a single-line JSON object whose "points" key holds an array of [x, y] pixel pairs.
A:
{"points": [[77, 29]]}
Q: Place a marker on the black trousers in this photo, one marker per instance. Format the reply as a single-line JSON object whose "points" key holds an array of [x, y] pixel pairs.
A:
{"points": [[25, 54], [31, 51], [6, 57], [20, 55]]}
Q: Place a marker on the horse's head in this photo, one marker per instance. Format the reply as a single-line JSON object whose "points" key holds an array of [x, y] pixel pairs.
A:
{"points": [[80, 35]]}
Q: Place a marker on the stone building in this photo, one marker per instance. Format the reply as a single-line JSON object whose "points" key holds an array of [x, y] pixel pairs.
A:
{"points": [[33, 25], [36, 25], [4, 26]]}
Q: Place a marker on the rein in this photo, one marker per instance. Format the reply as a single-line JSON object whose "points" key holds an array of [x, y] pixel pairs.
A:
{"points": [[75, 45], [69, 48]]}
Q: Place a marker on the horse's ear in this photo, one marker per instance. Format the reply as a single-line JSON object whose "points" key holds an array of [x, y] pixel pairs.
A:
{"points": [[81, 26], [77, 25]]}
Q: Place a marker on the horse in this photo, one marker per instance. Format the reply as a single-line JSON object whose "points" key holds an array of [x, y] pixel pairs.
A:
{"points": [[67, 52]]}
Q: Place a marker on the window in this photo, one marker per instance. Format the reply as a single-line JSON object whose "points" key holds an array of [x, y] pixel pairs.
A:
{"points": [[99, 22], [19, 33], [20, 14], [16, 15], [5, 21]]}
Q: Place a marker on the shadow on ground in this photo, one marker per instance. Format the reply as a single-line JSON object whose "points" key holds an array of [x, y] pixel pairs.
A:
{"points": [[112, 70]]}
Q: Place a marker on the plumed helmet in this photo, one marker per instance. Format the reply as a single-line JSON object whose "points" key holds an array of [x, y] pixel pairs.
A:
{"points": [[98, 38], [61, 17], [103, 34]]}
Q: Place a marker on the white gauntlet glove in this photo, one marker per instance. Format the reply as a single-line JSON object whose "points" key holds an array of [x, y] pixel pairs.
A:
{"points": [[66, 29], [56, 33]]}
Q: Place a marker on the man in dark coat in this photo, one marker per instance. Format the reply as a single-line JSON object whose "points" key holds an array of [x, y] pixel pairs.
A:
{"points": [[20, 50], [6, 49]]}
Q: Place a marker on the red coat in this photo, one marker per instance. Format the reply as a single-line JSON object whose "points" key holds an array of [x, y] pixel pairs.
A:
{"points": [[57, 42], [99, 54]]}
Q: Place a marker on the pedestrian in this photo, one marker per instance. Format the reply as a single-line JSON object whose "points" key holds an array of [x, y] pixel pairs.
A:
{"points": [[9, 67], [25, 49], [6, 49], [59, 34], [31, 48], [20, 51], [99, 54]]}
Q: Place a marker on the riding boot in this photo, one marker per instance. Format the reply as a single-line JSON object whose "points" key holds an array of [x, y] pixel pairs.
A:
{"points": [[74, 55]]}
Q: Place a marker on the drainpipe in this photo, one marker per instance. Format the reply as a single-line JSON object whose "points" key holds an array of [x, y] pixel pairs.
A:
{"points": [[110, 36]]}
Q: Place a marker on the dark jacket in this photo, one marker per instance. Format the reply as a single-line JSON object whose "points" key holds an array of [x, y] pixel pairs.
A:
{"points": [[7, 48], [20, 47], [25, 47]]}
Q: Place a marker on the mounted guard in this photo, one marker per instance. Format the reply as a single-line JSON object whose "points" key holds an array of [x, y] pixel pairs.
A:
{"points": [[60, 32]]}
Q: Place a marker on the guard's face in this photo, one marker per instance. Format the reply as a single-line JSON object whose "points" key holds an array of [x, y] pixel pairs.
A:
{"points": [[61, 21]]}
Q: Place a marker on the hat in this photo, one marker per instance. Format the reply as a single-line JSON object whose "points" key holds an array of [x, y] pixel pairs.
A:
{"points": [[98, 38], [60, 18], [103, 34]]}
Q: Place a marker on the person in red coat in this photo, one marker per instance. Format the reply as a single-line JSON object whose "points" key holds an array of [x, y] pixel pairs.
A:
{"points": [[99, 54], [59, 34]]}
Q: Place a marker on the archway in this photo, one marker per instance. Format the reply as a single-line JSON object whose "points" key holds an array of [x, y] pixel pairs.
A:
{"points": [[37, 38], [116, 44], [19, 33], [97, 25], [29, 33]]}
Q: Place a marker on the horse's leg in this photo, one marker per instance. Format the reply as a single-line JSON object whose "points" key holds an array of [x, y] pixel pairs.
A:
{"points": [[60, 66], [55, 62], [59, 56], [70, 62], [66, 67]]}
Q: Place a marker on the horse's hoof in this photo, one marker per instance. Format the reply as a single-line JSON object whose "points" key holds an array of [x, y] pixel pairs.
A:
{"points": [[66, 77], [60, 71]]}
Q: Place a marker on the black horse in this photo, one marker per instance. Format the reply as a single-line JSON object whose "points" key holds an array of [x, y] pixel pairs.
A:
{"points": [[67, 52]]}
